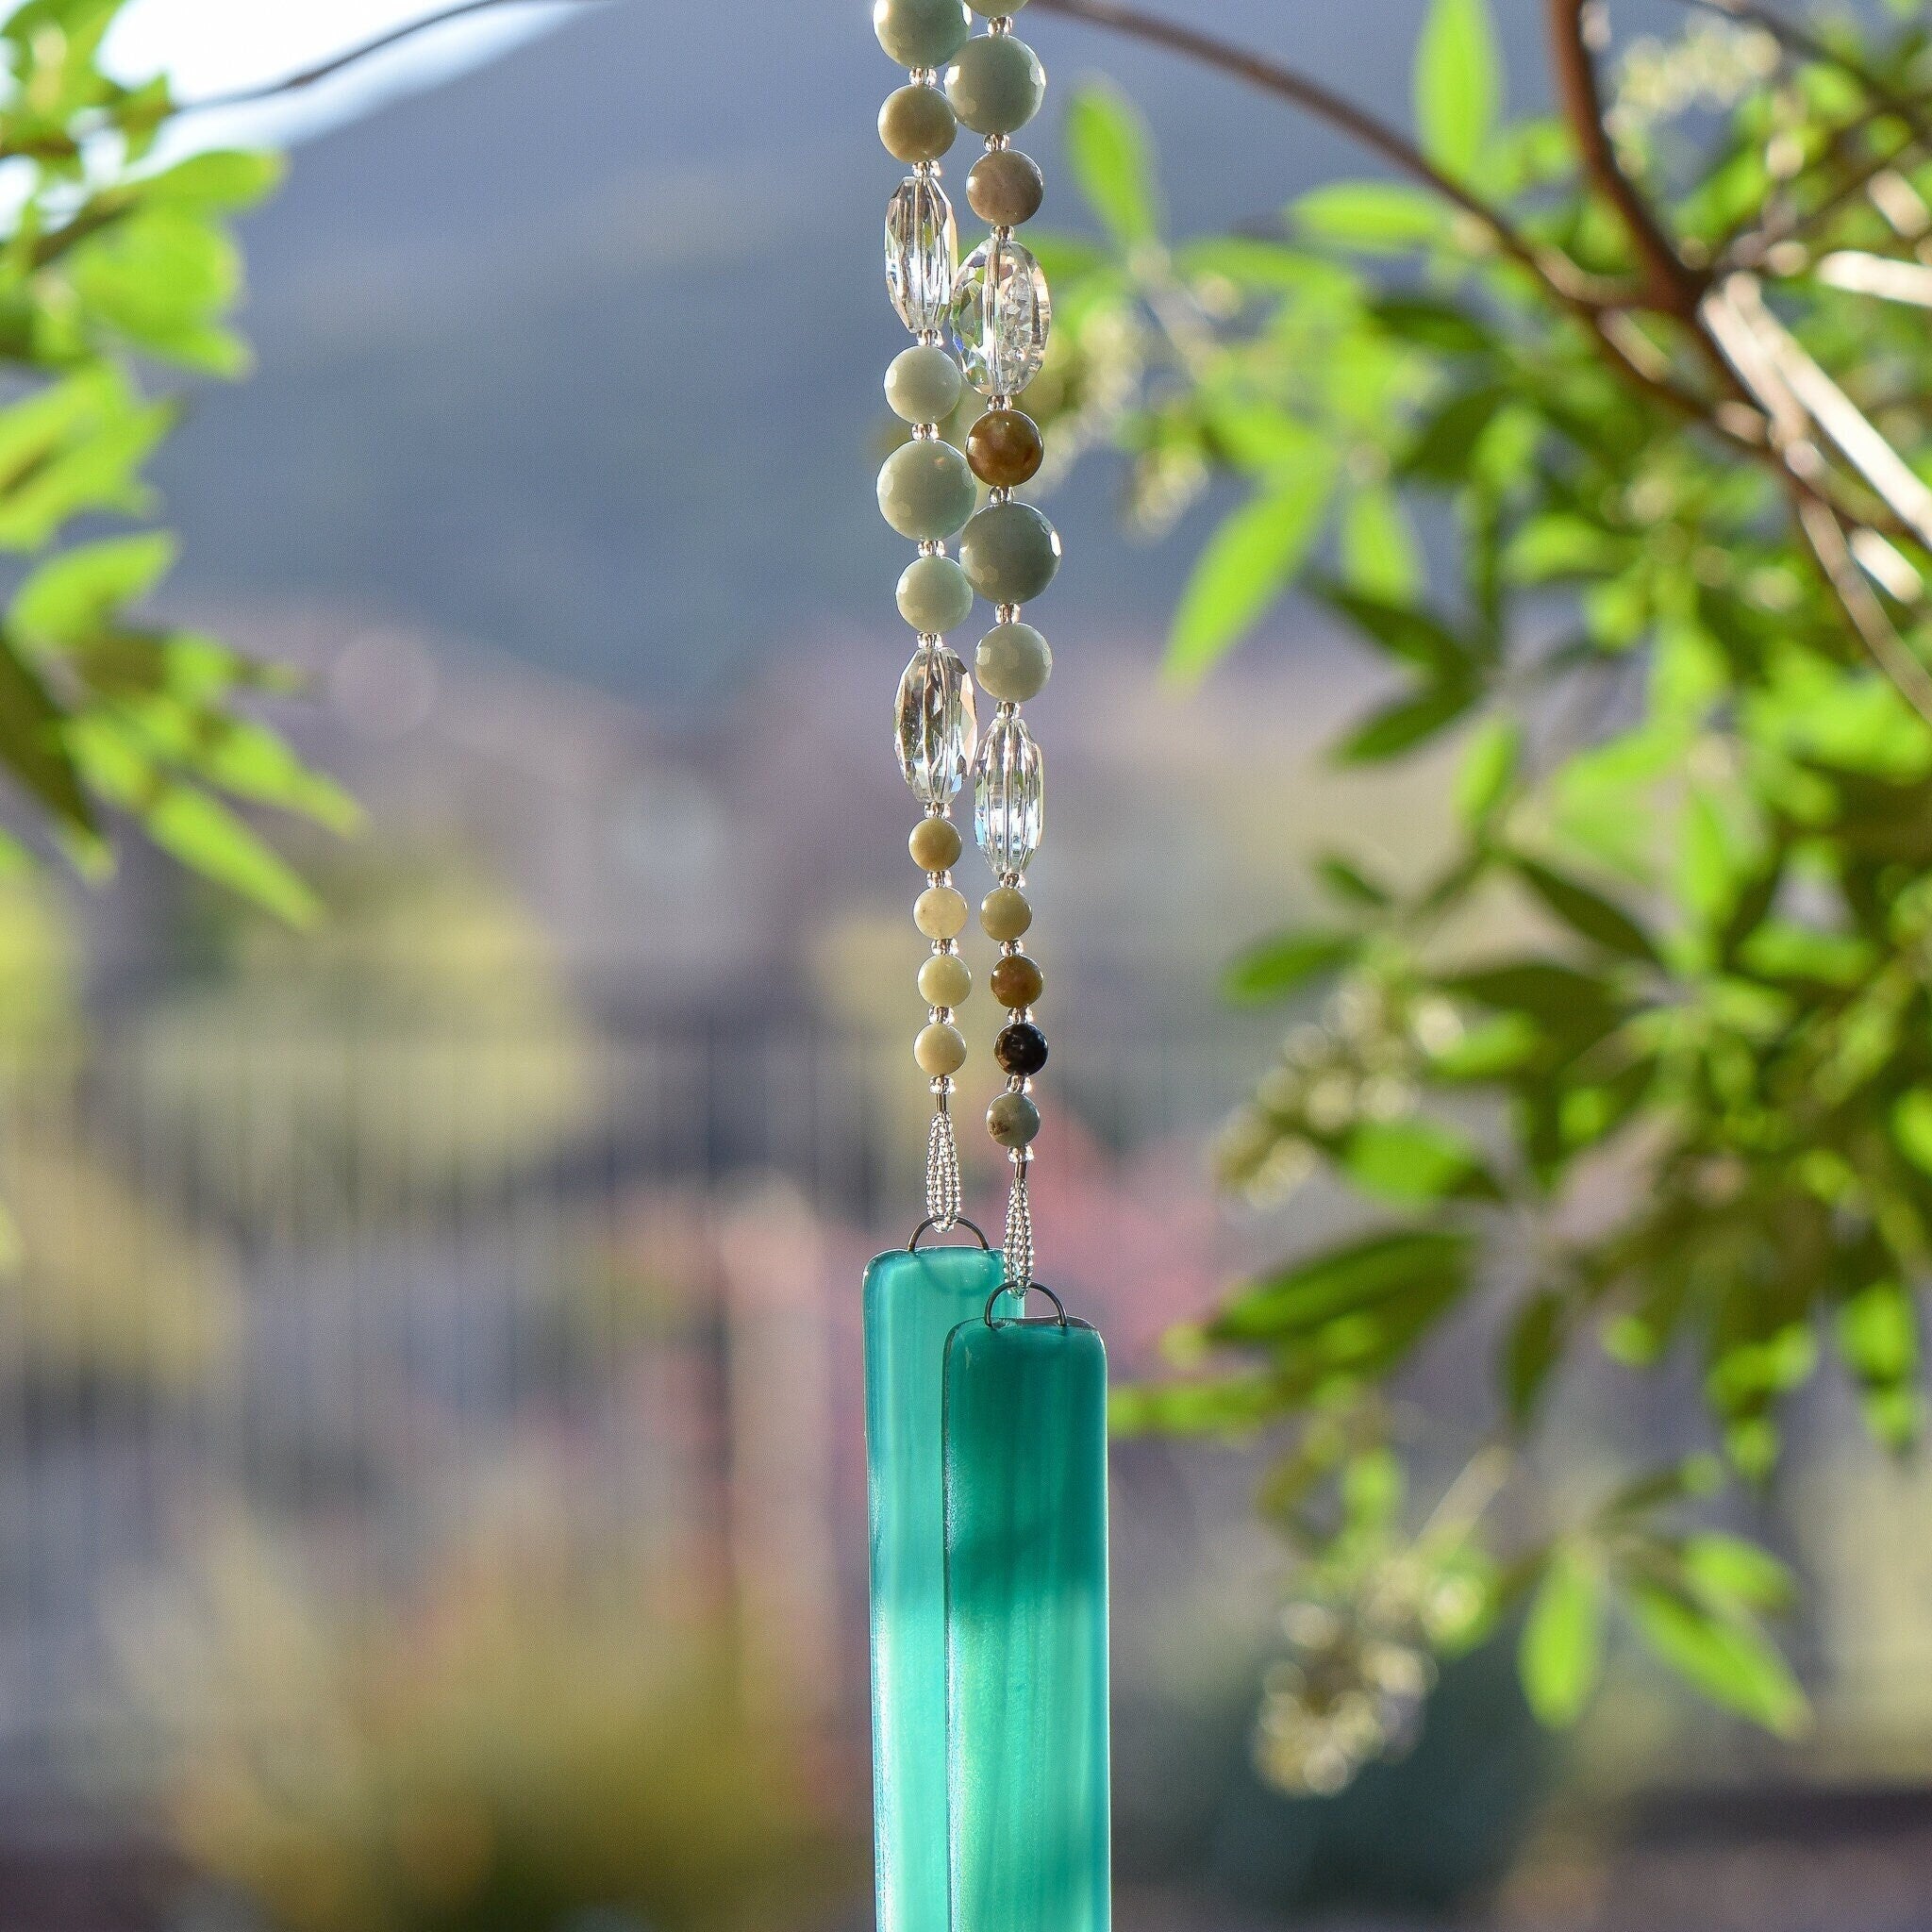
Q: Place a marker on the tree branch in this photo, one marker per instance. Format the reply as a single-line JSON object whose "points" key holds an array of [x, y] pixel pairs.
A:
{"points": [[1675, 286], [353, 56], [1555, 272]]}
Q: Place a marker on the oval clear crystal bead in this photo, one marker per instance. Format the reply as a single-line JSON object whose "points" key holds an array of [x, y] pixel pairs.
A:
{"points": [[1009, 797], [936, 726], [921, 246], [1002, 311]]}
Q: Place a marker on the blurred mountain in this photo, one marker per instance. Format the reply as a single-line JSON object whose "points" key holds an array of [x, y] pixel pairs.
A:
{"points": [[579, 356]]}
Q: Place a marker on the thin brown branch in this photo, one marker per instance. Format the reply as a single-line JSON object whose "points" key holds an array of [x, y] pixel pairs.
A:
{"points": [[1675, 286], [354, 56], [1274, 77]]}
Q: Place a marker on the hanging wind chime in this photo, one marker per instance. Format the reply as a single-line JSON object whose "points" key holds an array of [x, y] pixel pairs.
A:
{"points": [[986, 1430]]}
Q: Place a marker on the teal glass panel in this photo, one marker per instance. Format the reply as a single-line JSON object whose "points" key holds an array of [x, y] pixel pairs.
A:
{"points": [[1026, 1675], [912, 1303]]}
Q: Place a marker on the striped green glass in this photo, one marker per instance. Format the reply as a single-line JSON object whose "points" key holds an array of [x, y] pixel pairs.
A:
{"points": [[913, 1302], [1026, 1670]]}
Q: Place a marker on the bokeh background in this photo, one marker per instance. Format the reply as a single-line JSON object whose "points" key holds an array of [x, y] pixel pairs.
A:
{"points": [[432, 1487]]}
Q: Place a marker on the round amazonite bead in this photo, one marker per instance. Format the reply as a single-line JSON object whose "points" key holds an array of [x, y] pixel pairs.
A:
{"points": [[1012, 663], [924, 384], [996, 84], [921, 33], [1010, 552], [935, 844], [993, 9], [1013, 1120], [939, 1050], [945, 981], [925, 490], [939, 913], [916, 123], [933, 595], [1004, 914]]}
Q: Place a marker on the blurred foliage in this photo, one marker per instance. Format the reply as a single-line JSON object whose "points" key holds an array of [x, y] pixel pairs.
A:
{"points": [[1652, 380], [424, 1041], [530, 1735], [114, 265]]}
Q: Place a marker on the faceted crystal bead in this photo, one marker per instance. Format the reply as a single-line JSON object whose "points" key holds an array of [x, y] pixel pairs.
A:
{"points": [[922, 246], [1009, 797], [1001, 314], [937, 728]]}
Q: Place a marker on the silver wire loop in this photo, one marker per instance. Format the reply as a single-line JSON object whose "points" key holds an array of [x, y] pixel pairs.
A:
{"points": [[1016, 1288], [932, 1224]]}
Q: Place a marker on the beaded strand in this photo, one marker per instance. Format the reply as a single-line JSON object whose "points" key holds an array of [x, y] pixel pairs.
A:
{"points": [[999, 312]]}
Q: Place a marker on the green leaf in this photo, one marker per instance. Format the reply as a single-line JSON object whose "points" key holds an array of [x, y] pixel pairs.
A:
{"points": [[1379, 550], [1489, 765], [1402, 629], [1413, 1160], [1351, 885], [1346, 1281], [1729, 1658], [1247, 565], [70, 596], [1406, 724], [183, 820], [34, 747], [1108, 149], [1443, 450], [1378, 217], [1729, 1573], [1231, 1406], [1534, 1347], [1275, 967], [1561, 1652], [224, 178], [1432, 325], [1586, 912], [1458, 84]]}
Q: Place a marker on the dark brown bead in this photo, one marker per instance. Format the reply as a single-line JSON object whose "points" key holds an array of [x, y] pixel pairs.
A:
{"points": [[1020, 1049], [1005, 448], [1005, 188], [1016, 981]]}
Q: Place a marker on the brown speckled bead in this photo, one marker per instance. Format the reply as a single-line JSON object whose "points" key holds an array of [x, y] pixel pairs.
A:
{"points": [[916, 123], [1005, 188], [935, 844], [1006, 448], [1016, 981]]}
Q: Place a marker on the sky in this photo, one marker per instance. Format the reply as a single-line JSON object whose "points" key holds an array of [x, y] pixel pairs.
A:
{"points": [[216, 46]]}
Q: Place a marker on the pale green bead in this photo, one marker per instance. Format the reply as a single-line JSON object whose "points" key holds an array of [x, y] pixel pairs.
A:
{"points": [[996, 84], [933, 595], [1009, 553], [921, 33], [939, 1050], [925, 490], [939, 913], [1004, 914], [993, 9], [945, 981], [1013, 663], [924, 384]]}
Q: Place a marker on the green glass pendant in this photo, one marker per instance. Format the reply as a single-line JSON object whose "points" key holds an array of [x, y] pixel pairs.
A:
{"points": [[1026, 1670], [913, 1302]]}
